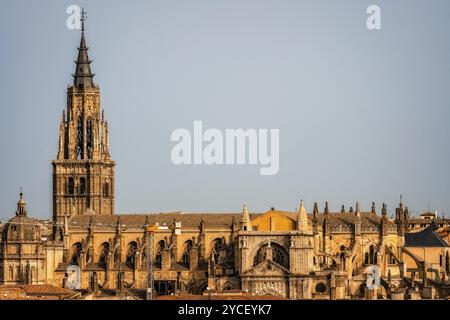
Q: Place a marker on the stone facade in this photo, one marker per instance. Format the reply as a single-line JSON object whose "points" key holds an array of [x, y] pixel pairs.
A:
{"points": [[297, 255]]}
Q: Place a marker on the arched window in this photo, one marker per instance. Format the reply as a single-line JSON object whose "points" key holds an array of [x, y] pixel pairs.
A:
{"points": [[82, 185], [75, 253], [89, 138], [370, 257], [216, 247], [279, 255], [71, 186], [80, 154], [104, 250], [106, 188], [131, 254], [371, 252], [186, 252], [159, 248], [11, 273], [229, 286]]}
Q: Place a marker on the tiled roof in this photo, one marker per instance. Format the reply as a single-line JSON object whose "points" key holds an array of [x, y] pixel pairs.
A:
{"points": [[212, 220], [45, 289], [187, 220], [37, 289], [425, 238]]}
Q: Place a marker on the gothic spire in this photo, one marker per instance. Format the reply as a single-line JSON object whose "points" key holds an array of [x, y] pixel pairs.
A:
{"points": [[384, 211], [315, 213], [302, 218], [246, 221], [83, 75], [326, 211]]}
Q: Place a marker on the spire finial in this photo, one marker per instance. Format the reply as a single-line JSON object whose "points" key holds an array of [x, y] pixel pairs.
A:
{"points": [[21, 210], [384, 210], [83, 19]]}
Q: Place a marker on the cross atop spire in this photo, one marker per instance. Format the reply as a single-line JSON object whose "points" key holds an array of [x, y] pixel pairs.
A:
{"points": [[83, 75], [83, 19]]}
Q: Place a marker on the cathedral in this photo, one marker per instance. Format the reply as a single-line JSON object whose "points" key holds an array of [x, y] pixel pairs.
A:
{"points": [[296, 255]]}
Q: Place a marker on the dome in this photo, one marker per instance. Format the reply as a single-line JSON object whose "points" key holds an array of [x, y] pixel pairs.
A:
{"points": [[21, 228]]}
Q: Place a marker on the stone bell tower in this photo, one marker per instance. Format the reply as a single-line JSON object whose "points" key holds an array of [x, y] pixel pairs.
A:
{"points": [[83, 172]]}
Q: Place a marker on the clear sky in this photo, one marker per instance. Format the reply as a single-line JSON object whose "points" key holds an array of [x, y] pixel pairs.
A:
{"points": [[363, 115]]}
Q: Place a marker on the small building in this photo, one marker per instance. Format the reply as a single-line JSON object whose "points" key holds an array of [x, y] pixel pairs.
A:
{"points": [[427, 256]]}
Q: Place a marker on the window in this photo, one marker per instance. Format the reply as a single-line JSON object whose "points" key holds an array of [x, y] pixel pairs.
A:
{"points": [[255, 228], [216, 250], [131, 254], [186, 252], [82, 185], [80, 143], [321, 288], [279, 255], [89, 138], [106, 189], [370, 257], [158, 257], [71, 186], [76, 252], [104, 250]]}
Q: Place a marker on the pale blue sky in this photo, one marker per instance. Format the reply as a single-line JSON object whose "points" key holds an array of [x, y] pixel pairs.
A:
{"points": [[363, 115]]}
